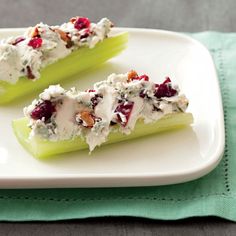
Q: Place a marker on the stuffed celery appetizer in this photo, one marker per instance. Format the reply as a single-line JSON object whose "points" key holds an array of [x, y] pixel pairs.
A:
{"points": [[125, 106], [45, 54]]}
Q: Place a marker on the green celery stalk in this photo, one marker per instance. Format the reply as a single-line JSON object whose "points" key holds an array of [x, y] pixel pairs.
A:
{"points": [[43, 148], [78, 61]]}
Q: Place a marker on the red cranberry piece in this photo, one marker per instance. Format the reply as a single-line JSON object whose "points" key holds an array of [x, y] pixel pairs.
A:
{"points": [[96, 99], [18, 40], [142, 94], [81, 23], [167, 80], [144, 77], [35, 42], [124, 109], [90, 90], [29, 73], [165, 89], [85, 34], [43, 110]]}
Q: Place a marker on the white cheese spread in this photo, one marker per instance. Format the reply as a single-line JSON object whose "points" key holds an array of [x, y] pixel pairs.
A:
{"points": [[39, 46], [120, 101]]}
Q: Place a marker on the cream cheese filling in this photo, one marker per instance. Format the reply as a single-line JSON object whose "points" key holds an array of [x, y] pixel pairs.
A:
{"points": [[92, 114], [18, 59]]}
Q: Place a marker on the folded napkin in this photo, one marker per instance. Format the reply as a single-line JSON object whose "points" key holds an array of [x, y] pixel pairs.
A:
{"points": [[212, 195]]}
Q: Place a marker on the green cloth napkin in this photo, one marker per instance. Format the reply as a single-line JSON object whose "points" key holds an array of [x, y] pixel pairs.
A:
{"points": [[212, 195]]}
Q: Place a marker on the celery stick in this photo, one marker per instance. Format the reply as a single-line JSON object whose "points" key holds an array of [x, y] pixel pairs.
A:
{"points": [[44, 148], [77, 61]]}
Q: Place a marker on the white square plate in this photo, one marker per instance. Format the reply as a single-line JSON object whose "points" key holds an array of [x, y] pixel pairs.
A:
{"points": [[165, 158]]}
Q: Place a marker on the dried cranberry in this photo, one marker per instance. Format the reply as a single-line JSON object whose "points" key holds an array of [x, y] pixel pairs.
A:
{"points": [[18, 40], [167, 80], [136, 77], [85, 34], [144, 77], [96, 99], [90, 90], [165, 89], [142, 94], [35, 42], [43, 110], [81, 23], [30, 75], [124, 109]]}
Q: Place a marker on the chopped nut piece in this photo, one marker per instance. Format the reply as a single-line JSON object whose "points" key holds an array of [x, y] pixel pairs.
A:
{"points": [[73, 19], [29, 73], [64, 36], [87, 118], [34, 32], [132, 74]]}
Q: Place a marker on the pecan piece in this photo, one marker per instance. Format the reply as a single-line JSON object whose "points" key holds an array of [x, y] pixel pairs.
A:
{"points": [[73, 19], [34, 32], [86, 118], [62, 34], [132, 75]]}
